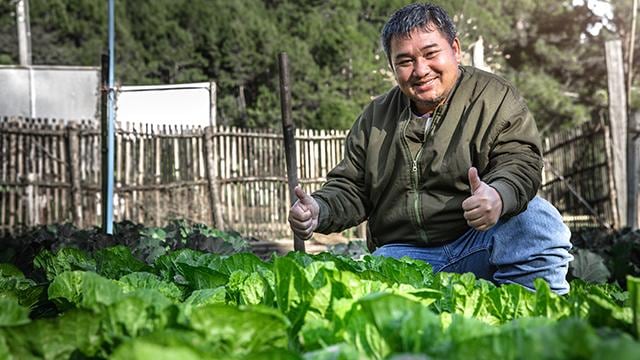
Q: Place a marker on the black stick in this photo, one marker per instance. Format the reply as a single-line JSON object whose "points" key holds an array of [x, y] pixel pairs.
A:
{"points": [[288, 130]]}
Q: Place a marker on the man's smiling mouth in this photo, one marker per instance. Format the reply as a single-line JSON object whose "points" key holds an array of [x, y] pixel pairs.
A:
{"points": [[426, 83]]}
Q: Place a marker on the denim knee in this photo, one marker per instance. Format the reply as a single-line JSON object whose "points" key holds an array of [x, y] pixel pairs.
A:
{"points": [[533, 244]]}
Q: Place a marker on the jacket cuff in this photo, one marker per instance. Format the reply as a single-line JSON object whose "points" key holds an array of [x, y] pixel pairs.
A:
{"points": [[508, 195], [323, 215]]}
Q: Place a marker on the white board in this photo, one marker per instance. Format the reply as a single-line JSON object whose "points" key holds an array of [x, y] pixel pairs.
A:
{"points": [[177, 104], [68, 93]]}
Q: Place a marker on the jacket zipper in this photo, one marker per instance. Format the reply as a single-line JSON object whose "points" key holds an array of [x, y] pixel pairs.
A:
{"points": [[416, 199], [416, 181], [416, 176]]}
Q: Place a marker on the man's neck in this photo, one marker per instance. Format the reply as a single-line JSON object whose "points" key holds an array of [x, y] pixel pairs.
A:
{"points": [[422, 111], [420, 114]]}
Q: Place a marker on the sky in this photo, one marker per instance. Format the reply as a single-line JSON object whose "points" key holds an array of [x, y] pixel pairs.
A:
{"points": [[600, 8]]}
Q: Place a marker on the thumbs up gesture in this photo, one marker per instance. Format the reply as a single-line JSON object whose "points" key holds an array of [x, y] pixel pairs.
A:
{"points": [[483, 208], [303, 215]]}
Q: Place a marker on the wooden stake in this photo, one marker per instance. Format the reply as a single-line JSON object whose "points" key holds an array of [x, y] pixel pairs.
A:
{"points": [[633, 169], [288, 130], [73, 139], [212, 177]]}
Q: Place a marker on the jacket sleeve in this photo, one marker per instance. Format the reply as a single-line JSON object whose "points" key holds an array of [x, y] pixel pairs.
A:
{"points": [[515, 158], [343, 198]]}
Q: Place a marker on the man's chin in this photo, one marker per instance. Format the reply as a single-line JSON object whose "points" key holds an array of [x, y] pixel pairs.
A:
{"points": [[429, 103], [427, 97]]}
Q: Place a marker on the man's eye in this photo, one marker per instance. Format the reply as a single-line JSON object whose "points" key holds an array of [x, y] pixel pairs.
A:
{"points": [[404, 63], [431, 54]]}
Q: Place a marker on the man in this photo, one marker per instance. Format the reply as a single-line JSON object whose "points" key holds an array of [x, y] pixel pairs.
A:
{"points": [[445, 167]]}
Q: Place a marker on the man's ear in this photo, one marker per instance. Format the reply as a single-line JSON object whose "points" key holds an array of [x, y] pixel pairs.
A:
{"points": [[390, 64], [393, 71], [455, 45]]}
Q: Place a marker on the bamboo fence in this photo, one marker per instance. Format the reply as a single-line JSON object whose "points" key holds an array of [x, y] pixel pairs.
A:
{"points": [[577, 176], [50, 173]]}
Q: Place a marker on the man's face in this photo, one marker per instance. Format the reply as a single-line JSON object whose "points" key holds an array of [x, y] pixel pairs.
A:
{"points": [[425, 65]]}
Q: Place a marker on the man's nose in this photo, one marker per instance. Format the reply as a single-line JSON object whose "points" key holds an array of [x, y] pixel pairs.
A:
{"points": [[421, 68]]}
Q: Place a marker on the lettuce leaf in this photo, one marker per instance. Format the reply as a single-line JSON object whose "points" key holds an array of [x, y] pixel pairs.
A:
{"points": [[115, 262], [144, 280], [66, 259], [84, 289], [239, 330], [12, 313]]}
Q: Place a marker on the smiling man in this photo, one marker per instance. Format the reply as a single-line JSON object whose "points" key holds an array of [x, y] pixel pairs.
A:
{"points": [[445, 167]]}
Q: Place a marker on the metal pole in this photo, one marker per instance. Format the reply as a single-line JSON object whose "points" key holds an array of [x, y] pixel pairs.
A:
{"points": [[24, 32], [24, 49], [288, 130], [107, 186]]}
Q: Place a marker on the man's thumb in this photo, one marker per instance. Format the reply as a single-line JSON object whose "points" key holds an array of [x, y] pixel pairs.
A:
{"points": [[474, 179], [303, 196]]}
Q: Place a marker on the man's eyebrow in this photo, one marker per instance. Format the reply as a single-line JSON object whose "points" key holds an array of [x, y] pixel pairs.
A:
{"points": [[406, 54]]}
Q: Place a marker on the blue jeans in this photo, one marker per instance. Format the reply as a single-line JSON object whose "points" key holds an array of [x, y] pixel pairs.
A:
{"points": [[533, 244]]}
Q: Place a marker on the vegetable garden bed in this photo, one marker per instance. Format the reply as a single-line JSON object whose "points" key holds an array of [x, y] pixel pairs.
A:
{"points": [[196, 293]]}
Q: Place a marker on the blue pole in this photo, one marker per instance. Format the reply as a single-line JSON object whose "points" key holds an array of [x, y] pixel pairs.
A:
{"points": [[108, 216]]}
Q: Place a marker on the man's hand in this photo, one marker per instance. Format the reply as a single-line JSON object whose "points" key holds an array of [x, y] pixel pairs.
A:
{"points": [[483, 208], [303, 215]]}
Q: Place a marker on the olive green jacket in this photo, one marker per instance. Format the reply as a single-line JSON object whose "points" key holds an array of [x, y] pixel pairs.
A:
{"points": [[484, 123]]}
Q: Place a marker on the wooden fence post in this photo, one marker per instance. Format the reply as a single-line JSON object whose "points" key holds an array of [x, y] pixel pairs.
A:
{"points": [[610, 176], [211, 162], [212, 177], [213, 108], [157, 151], [633, 163], [618, 124], [73, 149], [31, 199]]}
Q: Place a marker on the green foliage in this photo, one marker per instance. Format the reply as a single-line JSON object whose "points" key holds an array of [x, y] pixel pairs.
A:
{"points": [[548, 100], [13, 313], [209, 306], [86, 290], [590, 267], [139, 246], [67, 259], [634, 297], [72, 332], [618, 251], [337, 65], [114, 262]]}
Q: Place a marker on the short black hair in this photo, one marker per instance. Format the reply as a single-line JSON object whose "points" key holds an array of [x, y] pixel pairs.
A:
{"points": [[418, 15]]}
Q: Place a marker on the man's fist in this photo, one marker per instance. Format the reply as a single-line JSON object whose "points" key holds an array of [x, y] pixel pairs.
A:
{"points": [[483, 208], [303, 215]]}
